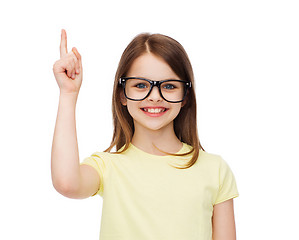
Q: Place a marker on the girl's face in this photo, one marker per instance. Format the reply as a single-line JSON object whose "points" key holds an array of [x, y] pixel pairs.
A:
{"points": [[152, 67]]}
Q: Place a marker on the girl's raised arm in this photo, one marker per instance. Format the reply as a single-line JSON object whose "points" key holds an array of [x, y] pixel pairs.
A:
{"points": [[68, 177]]}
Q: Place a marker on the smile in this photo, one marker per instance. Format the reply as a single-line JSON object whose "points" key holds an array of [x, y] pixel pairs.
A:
{"points": [[154, 110]]}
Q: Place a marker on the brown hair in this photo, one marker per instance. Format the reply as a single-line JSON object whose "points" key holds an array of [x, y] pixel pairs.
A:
{"points": [[185, 124]]}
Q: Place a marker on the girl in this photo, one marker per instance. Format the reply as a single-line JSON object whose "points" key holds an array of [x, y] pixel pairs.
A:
{"points": [[160, 183]]}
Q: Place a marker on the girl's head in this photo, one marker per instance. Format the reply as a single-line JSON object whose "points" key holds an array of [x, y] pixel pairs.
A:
{"points": [[174, 64]]}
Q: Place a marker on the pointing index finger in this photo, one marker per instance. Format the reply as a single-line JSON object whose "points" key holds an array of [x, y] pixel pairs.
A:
{"points": [[63, 43]]}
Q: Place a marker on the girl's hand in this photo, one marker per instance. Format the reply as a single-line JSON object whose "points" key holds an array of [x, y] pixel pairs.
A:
{"points": [[68, 69]]}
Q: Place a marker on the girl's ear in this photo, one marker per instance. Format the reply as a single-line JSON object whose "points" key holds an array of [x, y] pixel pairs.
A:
{"points": [[185, 101], [123, 99]]}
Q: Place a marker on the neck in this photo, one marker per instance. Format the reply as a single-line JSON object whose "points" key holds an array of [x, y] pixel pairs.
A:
{"points": [[165, 139]]}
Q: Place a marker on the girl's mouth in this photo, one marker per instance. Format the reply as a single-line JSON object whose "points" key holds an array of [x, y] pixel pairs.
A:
{"points": [[154, 112]]}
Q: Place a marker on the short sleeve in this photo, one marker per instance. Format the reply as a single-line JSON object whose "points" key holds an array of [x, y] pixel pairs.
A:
{"points": [[227, 183], [98, 163]]}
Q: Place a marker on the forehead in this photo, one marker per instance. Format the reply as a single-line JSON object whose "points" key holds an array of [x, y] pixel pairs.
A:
{"points": [[152, 67]]}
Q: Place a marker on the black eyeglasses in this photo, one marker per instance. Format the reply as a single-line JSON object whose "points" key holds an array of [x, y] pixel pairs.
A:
{"points": [[171, 90]]}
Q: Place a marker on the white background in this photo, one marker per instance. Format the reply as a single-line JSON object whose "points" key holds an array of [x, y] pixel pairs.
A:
{"points": [[245, 57]]}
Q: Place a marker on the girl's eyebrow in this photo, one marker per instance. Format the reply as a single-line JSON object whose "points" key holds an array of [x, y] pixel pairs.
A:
{"points": [[155, 80]]}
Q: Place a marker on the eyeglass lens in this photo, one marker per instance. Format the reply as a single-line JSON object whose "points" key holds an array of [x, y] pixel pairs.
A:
{"points": [[138, 89]]}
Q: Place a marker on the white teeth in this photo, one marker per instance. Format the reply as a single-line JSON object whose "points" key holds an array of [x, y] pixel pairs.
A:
{"points": [[154, 110]]}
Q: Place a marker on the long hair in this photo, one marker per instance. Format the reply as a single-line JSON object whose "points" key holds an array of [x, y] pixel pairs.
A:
{"points": [[185, 124]]}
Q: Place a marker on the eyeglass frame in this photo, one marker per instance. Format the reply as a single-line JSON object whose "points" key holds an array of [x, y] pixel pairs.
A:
{"points": [[122, 81]]}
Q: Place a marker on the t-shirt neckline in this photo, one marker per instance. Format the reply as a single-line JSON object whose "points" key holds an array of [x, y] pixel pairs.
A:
{"points": [[157, 156]]}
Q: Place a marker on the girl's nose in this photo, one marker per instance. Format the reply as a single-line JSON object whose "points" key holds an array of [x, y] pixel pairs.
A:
{"points": [[155, 95]]}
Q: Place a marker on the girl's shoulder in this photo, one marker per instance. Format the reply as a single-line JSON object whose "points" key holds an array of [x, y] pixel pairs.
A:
{"points": [[106, 155], [210, 156], [212, 159], [202, 154]]}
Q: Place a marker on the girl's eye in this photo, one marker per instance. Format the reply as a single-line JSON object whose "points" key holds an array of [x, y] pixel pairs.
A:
{"points": [[141, 85], [169, 86]]}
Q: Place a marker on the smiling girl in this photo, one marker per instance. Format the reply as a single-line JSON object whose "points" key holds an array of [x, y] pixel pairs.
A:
{"points": [[160, 183]]}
